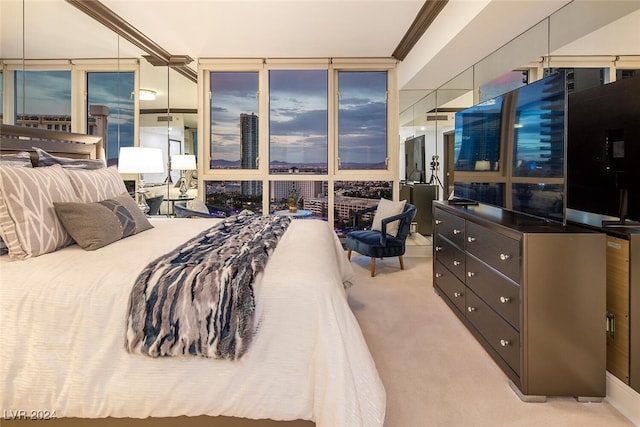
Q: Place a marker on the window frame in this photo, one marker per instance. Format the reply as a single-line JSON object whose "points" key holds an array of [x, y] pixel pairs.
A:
{"points": [[333, 66]]}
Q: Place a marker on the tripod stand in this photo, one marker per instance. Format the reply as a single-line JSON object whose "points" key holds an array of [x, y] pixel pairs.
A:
{"points": [[434, 180]]}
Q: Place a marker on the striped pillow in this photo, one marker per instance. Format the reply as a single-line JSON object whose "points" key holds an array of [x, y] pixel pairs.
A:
{"points": [[96, 185], [28, 222], [46, 159]]}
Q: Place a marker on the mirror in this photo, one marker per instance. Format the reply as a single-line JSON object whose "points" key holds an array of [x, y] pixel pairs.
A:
{"points": [[44, 54], [601, 43], [169, 122]]}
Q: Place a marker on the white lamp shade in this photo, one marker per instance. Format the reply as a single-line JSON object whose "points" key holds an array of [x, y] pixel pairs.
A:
{"points": [[183, 162], [140, 160]]}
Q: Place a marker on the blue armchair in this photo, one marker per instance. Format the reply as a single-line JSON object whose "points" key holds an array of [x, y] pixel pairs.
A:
{"points": [[182, 211], [154, 204], [379, 244]]}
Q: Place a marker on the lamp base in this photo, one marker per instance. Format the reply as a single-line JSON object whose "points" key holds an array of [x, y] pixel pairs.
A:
{"points": [[142, 200], [183, 188]]}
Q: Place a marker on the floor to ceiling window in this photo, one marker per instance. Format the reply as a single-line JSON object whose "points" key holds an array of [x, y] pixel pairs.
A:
{"points": [[317, 128]]}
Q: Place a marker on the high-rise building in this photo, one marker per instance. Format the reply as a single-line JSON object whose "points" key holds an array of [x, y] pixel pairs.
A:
{"points": [[248, 141], [249, 151]]}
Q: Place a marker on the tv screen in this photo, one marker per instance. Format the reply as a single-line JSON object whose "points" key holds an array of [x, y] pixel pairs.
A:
{"points": [[477, 137], [414, 159], [604, 148], [523, 129]]}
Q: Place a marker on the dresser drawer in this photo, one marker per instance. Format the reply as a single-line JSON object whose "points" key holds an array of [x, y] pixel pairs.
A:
{"points": [[500, 252], [449, 284], [450, 256], [504, 339], [450, 226], [496, 290]]}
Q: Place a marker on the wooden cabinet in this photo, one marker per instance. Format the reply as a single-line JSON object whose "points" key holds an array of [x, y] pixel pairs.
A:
{"points": [[531, 292], [421, 196], [623, 306], [618, 308], [623, 294]]}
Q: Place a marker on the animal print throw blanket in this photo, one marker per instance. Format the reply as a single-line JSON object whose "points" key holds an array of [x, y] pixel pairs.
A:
{"points": [[198, 299]]}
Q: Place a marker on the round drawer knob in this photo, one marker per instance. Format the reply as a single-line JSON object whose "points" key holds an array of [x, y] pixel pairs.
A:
{"points": [[456, 231], [504, 257], [438, 248], [471, 309], [457, 263], [457, 294], [438, 274], [505, 343], [471, 239], [438, 222], [470, 273], [505, 300]]}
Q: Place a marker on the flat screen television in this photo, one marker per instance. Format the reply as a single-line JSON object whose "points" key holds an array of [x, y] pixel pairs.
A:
{"points": [[414, 154], [477, 137], [526, 127], [603, 147]]}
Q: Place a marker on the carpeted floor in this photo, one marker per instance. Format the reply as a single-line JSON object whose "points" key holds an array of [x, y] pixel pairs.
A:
{"points": [[434, 372]]}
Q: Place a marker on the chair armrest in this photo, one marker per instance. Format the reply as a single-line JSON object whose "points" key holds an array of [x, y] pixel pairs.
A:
{"points": [[385, 221], [358, 214]]}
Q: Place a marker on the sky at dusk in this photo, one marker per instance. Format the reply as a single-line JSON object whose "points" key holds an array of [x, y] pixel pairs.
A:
{"points": [[297, 111], [298, 115]]}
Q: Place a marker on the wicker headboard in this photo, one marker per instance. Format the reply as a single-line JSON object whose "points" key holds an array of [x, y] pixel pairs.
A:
{"points": [[64, 144]]}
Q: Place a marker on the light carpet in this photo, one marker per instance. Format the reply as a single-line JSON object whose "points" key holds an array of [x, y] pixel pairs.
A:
{"points": [[434, 371]]}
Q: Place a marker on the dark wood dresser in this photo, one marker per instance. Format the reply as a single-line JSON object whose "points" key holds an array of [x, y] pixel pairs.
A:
{"points": [[532, 292]]}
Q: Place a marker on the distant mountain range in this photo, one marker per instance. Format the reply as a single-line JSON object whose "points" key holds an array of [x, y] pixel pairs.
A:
{"points": [[235, 164]]}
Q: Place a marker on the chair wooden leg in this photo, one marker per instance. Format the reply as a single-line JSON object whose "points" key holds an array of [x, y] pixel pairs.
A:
{"points": [[401, 263], [373, 266], [349, 254]]}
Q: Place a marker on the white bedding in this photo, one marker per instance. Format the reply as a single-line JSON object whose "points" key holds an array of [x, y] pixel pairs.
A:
{"points": [[62, 325]]}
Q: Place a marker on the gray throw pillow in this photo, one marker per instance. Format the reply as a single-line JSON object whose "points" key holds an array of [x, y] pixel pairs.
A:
{"points": [[98, 224]]}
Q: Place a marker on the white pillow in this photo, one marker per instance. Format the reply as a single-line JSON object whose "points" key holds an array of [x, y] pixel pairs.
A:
{"points": [[197, 205], [28, 222], [387, 208]]}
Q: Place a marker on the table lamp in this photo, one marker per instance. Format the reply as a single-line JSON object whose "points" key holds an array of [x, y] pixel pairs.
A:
{"points": [[140, 160], [183, 162]]}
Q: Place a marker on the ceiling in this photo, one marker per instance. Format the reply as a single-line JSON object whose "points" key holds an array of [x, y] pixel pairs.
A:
{"points": [[291, 29]]}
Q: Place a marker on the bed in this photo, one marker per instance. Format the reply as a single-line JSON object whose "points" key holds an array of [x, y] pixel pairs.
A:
{"points": [[63, 318]]}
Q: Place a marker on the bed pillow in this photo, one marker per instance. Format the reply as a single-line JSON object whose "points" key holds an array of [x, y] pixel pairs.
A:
{"points": [[46, 159], [96, 185], [22, 159], [387, 208], [28, 222], [94, 225]]}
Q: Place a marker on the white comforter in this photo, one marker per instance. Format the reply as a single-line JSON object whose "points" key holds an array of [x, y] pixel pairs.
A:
{"points": [[62, 325]]}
